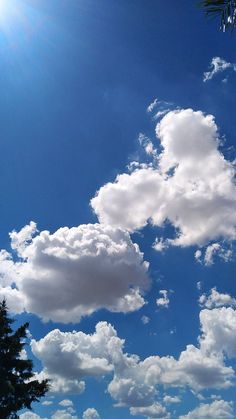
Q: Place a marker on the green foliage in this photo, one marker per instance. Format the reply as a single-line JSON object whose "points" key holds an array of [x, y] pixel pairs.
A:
{"points": [[224, 9], [18, 389]]}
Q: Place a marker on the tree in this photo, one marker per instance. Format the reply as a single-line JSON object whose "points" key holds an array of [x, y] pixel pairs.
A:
{"points": [[224, 9], [18, 389]]}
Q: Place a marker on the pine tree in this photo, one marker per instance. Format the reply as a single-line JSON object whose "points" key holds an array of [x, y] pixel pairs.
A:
{"points": [[18, 389], [225, 9]]}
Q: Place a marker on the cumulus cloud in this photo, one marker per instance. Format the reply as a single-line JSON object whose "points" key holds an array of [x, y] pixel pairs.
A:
{"points": [[91, 413], [66, 403], [47, 403], [70, 357], [73, 272], [219, 409], [154, 411], [216, 299], [219, 331], [211, 251], [218, 65], [164, 300], [191, 186], [30, 415], [63, 414]]}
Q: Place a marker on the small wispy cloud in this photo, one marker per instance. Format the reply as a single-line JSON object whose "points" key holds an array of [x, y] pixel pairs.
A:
{"points": [[163, 301], [217, 65], [159, 108]]}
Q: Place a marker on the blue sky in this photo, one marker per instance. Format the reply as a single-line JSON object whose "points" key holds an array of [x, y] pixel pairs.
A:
{"points": [[117, 182]]}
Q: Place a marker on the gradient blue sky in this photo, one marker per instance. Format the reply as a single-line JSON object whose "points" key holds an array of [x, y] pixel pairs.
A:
{"points": [[76, 79]]}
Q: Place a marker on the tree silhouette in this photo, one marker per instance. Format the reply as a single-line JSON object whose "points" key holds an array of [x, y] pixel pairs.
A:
{"points": [[18, 389], [224, 9]]}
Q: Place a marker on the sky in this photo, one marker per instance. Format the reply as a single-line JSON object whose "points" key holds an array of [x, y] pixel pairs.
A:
{"points": [[118, 205]]}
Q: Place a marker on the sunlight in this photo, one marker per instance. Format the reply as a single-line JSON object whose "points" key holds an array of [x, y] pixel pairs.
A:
{"points": [[3, 7]]}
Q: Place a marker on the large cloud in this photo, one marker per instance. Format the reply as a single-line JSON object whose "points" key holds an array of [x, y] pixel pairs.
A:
{"points": [[73, 272], [134, 382], [219, 409], [72, 356], [190, 184]]}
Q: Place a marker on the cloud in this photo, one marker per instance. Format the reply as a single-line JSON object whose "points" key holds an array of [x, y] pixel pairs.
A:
{"points": [[145, 319], [211, 251], [91, 413], [47, 403], [72, 356], [219, 409], [152, 105], [216, 299], [191, 186], [29, 415], [63, 414], [171, 399], [219, 331], [66, 403], [164, 300], [74, 272], [69, 357], [218, 65], [154, 411]]}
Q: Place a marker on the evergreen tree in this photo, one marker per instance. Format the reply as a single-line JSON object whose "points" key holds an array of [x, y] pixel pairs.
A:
{"points": [[18, 389], [224, 9]]}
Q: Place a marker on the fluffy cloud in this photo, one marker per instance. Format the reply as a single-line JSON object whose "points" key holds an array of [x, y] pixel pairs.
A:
{"points": [[73, 272], [66, 403], [216, 299], [219, 331], [68, 357], [154, 411], [63, 414], [219, 409], [29, 415], [71, 356], [190, 185], [164, 300], [218, 65], [211, 251], [91, 413]]}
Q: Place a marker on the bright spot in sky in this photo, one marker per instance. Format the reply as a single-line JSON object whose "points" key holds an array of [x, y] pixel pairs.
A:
{"points": [[3, 6]]}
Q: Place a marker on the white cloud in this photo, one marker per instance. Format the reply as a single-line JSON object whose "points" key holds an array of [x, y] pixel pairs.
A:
{"points": [[216, 299], [21, 239], [164, 300], [211, 251], [72, 356], [47, 403], [63, 414], [219, 409], [66, 403], [68, 357], [74, 272], [219, 330], [91, 413], [29, 415], [218, 65], [145, 319], [192, 187], [154, 411], [152, 105], [171, 399]]}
